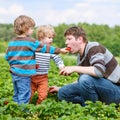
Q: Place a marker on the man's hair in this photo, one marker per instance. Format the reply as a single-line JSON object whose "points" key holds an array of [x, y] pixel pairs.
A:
{"points": [[45, 31], [22, 24], [76, 31]]}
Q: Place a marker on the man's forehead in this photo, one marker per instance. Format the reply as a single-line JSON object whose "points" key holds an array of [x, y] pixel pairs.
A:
{"points": [[69, 36]]}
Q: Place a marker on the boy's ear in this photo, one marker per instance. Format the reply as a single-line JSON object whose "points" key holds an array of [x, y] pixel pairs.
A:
{"points": [[40, 38]]}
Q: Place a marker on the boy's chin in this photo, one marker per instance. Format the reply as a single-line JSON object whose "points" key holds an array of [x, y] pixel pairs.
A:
{"points": [[48, 43]]}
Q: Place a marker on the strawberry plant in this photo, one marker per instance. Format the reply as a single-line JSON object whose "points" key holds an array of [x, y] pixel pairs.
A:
{"points": [[51, 108]]}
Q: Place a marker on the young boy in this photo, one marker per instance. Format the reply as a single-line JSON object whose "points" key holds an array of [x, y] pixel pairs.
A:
{"points": [[20, 56], [39, 83]]}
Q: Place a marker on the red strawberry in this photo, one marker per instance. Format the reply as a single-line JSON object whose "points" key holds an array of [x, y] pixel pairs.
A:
{"points": [[6, 102], [68, 48], [37, 66]]}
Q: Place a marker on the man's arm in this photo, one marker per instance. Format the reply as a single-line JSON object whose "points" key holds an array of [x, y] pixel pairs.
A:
{"points": [[79, 69]]}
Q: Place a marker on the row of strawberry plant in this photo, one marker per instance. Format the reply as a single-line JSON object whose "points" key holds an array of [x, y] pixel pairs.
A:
{"points": [[51, 108]]}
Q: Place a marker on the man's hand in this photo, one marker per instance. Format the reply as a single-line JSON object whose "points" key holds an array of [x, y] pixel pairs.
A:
{"points": [[53, 89], [66, 71]]}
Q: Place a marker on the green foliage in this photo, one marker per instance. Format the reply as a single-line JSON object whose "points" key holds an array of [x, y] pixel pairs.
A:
{"points": [[105, 35], [6, 32], [3, 46], [51, 108], [108, 36]]}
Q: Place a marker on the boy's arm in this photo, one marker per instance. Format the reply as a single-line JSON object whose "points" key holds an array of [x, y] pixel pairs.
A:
{"points": [[6, 55], [48, 49], [58, 60]]}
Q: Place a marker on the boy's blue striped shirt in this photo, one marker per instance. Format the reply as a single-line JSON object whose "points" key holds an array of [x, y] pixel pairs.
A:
{"points": [[21, 55]]}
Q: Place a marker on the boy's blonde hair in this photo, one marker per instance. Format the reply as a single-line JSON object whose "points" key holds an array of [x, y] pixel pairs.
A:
{"points": [[45, 31], [22, 24]]}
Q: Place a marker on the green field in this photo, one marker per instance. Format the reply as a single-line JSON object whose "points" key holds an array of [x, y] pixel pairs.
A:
{"points": [[51, 108]]}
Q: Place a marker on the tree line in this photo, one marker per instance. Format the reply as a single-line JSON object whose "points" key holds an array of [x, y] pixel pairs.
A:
{"points": [[108, 36]]}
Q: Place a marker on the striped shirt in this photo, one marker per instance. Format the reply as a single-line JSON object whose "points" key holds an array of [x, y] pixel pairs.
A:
{"points": [[43, 61], [21, 55], [102, 59]]}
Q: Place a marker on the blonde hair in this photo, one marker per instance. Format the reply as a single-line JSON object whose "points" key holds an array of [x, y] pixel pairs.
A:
{"points": [[45, 31], [22, 24]]}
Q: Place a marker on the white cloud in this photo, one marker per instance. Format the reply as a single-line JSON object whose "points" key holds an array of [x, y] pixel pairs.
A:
{"points": [[2, 10], [16, 9], [79, 13], [8, 14], [43, 12]]}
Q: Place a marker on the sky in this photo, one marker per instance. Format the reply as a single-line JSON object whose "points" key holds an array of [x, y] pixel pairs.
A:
{"points": [[55, 12]]}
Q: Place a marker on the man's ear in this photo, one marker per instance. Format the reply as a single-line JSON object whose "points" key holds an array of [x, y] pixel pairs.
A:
{"points": [[80, 39]]}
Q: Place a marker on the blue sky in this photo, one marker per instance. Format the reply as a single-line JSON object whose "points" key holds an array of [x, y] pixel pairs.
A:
{"points": [[55, 12]]}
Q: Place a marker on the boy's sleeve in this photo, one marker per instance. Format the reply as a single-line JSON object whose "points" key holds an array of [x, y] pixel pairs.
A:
{"points": [[43, 48], [58, 60], [6, 55]]}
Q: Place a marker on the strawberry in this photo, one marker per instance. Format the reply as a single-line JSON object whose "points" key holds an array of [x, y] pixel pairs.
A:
{"points": [[6, 102], [37, 66], [68, 48]]}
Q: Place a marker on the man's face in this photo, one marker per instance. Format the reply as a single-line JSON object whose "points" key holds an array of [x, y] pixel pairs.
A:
{"points": [[73, 43]]}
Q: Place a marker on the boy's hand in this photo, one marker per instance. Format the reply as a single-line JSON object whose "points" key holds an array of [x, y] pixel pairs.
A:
{"points": [[61, 67], [63, 50]]}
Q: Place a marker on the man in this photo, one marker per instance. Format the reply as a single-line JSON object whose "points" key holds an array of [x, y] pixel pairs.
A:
{"points": [[99, 77]]}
